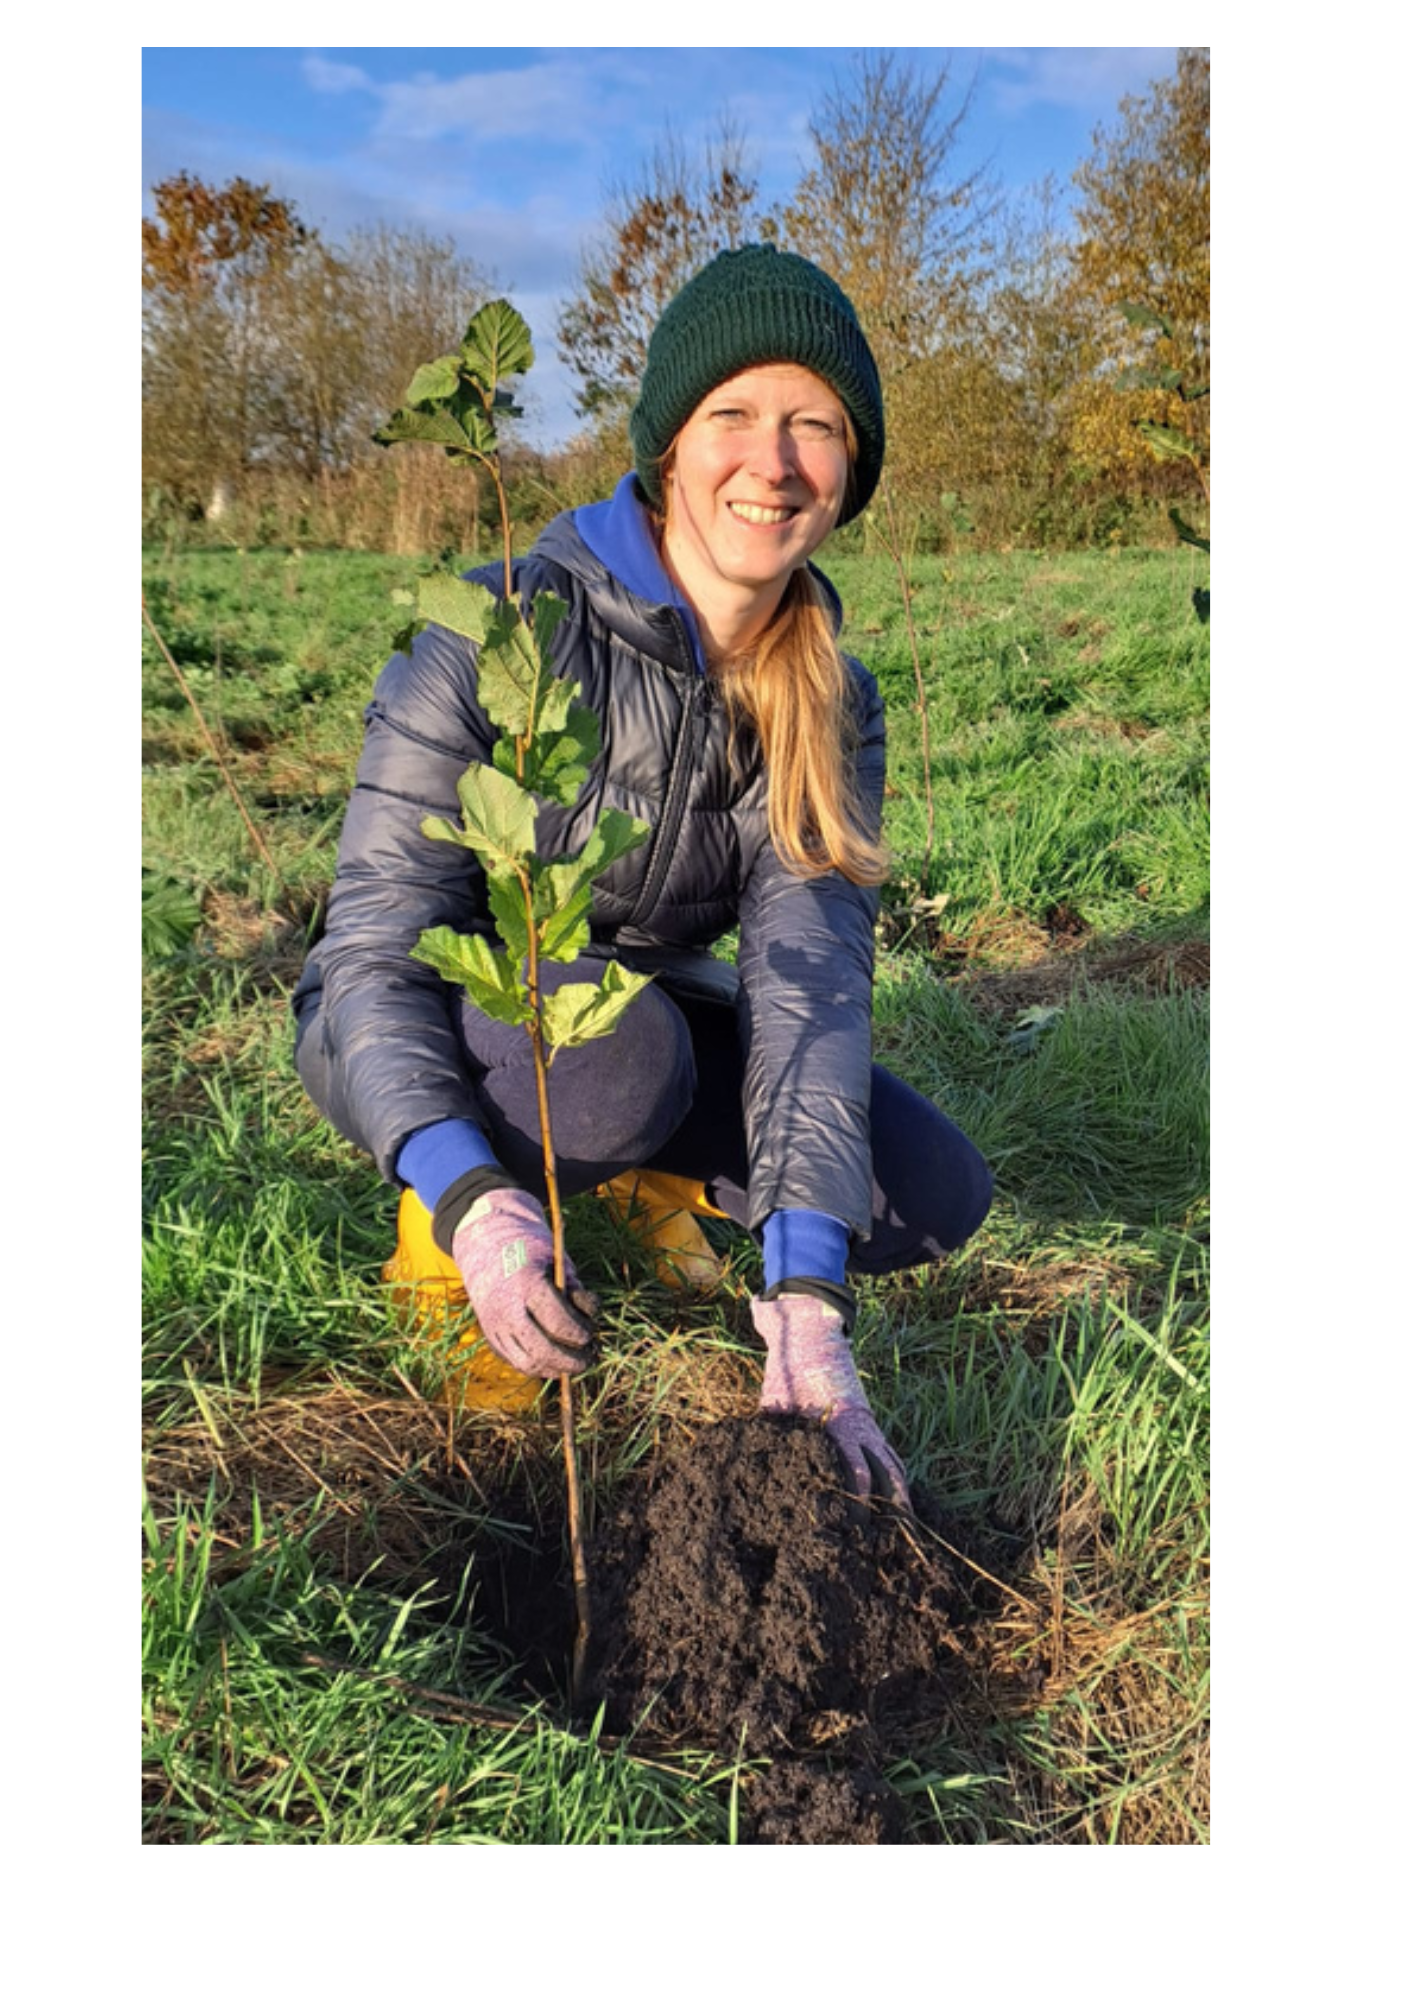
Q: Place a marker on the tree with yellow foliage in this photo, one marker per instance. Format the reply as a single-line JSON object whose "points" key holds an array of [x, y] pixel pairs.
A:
{"points": [[1142, 230]]}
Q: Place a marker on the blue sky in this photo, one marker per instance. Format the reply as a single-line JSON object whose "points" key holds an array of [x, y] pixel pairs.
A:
{"points": [[509, 152]]}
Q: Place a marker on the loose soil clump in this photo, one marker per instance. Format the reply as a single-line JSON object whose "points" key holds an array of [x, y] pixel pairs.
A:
{"points": [[746, 1601]]}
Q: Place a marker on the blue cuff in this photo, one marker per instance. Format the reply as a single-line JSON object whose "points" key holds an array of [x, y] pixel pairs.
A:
{"points": [[804, 1243], [440, 1154]]}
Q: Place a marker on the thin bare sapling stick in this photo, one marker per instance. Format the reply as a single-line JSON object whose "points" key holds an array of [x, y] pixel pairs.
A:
{"points": [[889, 537], [546, 741], [231, 786]]}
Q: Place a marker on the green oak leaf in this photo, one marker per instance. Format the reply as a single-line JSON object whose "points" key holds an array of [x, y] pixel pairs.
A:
{"points": [[498, 819], [614, 834], [517, 688], [490, 979], [545, 614], [581, 1013], [554, 704], [566, 934], [405, 634], [563, 891], [497, 344], [507, 900], [435, 380], [458, 604], [1167, 443], [510, 677], [497, 814], [469, 409], [423, 427], [557, 761]]}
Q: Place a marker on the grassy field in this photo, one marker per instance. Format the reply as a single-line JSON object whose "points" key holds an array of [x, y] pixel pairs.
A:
{"points": [[317, 1668]]}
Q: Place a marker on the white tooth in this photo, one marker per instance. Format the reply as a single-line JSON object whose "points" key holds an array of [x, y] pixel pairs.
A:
{"points": [[760, 515]]}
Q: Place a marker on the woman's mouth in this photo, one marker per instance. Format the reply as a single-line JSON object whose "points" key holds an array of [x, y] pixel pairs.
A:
{"points": [[761, 517]]}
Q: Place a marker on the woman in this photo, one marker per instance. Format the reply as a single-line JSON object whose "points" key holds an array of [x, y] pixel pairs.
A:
{"points": [[754, 750]]}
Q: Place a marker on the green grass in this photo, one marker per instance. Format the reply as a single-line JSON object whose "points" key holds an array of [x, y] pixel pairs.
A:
{"points": [[325, 1661]]}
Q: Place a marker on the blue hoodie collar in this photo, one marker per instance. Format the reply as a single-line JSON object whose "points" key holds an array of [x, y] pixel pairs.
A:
{"points": [[617, 532]]}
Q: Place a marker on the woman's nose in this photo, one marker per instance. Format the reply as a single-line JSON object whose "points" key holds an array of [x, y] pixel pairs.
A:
{"points": [[772, 453]]}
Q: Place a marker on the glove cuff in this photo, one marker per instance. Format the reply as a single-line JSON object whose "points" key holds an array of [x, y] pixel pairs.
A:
{"points": [[839, 1298], [451, 1211]]}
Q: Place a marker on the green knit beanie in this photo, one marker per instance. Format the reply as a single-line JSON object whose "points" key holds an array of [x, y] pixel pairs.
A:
{"points": [[744, 309]]}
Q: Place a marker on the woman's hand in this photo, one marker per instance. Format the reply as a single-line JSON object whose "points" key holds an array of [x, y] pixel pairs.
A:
{"points": [[505, 1253], [810, 1372]]}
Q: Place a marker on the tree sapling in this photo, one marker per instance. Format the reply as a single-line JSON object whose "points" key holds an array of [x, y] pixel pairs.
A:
{"points": [[546, 743]]}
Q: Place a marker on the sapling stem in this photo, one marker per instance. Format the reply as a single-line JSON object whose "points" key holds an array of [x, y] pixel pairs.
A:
{"points": [[579, 1561], [505, 528], [574, 1507]]}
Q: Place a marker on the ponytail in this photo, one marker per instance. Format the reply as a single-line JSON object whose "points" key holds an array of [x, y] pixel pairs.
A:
{"points": [[794, 689]]}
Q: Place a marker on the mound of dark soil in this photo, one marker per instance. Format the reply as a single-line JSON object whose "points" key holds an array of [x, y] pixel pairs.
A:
{"points": [[745, 1601]]}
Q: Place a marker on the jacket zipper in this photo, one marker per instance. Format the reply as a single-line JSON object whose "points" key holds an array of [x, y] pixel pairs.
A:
{"points": [[679, 783]]}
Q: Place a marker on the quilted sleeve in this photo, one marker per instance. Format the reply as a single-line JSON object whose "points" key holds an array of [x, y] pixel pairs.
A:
{"points": [[387, 1020]]}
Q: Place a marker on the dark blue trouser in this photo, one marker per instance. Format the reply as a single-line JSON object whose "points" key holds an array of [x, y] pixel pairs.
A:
{"points": [[665, 1092]]}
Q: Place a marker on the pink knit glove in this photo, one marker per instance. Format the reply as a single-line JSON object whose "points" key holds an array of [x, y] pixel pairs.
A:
{"points": [[506, 1256], [810, 1372]]}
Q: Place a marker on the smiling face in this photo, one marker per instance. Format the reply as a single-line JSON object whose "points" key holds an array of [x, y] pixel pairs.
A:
{"points": [[756, 482]]}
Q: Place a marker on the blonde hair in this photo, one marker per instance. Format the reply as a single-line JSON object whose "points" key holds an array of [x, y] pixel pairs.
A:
{"points": [[794, 689]]}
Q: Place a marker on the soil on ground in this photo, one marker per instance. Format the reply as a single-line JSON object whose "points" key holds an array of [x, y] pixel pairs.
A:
{"points": [[743, 1601], [746, 1602]]}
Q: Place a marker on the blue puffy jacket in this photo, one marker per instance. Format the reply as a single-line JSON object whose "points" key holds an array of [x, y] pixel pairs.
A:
{"points": [[803, 978]]}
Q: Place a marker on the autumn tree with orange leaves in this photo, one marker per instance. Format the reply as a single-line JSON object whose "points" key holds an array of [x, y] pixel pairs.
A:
{"points": [[212, 261]]}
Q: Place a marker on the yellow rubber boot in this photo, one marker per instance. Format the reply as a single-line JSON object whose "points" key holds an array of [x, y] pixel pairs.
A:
{"points": [[428, 1288], [661, 1210]]}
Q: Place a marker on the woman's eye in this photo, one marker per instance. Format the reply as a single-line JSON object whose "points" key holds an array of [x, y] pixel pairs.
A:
{"points": [[821, 427]]}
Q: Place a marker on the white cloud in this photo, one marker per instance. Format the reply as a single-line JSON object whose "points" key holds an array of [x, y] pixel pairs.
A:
{"points": [[1073, 79], [333, 78], [550, 99], [563, 97], [533, 247]]}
